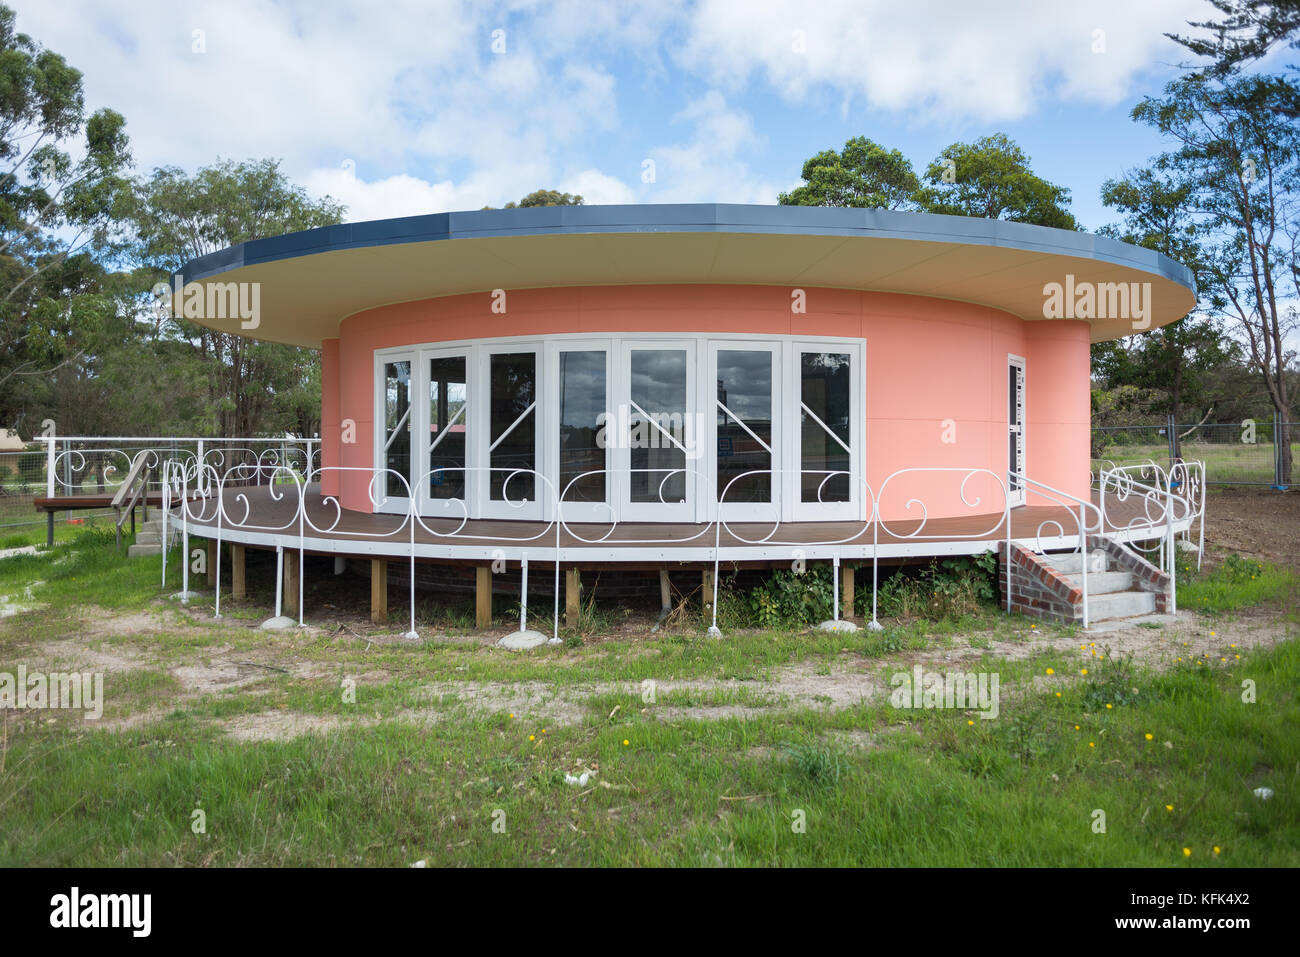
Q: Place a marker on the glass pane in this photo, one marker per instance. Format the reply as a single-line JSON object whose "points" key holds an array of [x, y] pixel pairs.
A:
{"points": [[582, 402], [659, 388], [448, 426], [825, 390], [397, 427], [744, 395], [513, 389]]}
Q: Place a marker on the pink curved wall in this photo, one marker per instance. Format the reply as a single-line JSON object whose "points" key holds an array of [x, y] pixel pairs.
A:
{"points": [[927, 361]]}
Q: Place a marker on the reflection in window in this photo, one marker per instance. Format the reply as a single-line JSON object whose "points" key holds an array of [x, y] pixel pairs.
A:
{"points": [[744, 404], [448, 427], [825, 429], [582, 403], [658, 423], [513, 415], [397, 427]]}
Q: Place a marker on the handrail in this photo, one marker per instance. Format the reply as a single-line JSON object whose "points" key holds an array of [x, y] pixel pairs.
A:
{"points": [[132, 489]]}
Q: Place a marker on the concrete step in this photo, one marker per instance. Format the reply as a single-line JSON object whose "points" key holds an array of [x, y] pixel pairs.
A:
{"points": [[135, 551], [1121, 604], [1071, 563], [1103, 583]]}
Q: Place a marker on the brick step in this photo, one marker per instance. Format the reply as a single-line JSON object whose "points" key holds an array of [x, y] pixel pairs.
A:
{"points": [[1121, 604], [1103, 583], [1071, 563]]}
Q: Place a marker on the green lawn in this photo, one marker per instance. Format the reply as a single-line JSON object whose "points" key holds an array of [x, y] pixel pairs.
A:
{"points": [[1224, 462], [718, 771]]}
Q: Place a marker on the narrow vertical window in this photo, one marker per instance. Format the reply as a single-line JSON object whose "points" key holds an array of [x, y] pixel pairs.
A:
{"points": [[448, 426], [513, 414], [744, 407], [825, 426], [582, 405], [397, 428]]}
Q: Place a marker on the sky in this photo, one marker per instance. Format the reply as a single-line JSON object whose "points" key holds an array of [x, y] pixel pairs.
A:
{"points": [[399, 107]]}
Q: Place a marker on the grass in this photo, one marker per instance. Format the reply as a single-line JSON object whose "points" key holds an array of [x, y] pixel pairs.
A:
{"points": [[1224, 462], [1233, 584], [776, 785]]}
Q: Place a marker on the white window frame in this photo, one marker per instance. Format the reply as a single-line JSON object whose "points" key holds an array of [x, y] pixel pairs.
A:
{"points": [[487, 507], [428, 506], [630, 511], [392, 504], [702, 349], [575, 512], [1017, 497], [745, 511], [855, 509]]}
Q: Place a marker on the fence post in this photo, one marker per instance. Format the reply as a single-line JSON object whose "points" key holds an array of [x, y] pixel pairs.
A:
{"points": [[1277, 450]]}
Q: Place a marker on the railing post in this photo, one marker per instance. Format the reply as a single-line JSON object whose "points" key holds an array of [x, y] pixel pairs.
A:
{"points": [[49, 466], [1172, 427]]}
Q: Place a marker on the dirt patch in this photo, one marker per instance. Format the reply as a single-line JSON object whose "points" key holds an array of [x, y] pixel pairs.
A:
{"points": [[283, 725], [1256, 523]]}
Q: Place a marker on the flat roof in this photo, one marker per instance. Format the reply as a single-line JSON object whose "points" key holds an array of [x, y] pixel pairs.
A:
{"points": [[311, 280]]}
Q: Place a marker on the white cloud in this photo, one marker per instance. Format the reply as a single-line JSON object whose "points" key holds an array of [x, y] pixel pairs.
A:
{"points": [[993, 60]]}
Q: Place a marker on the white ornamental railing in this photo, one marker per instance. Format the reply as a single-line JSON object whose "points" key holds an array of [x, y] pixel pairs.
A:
{"points": [[202, 490]]}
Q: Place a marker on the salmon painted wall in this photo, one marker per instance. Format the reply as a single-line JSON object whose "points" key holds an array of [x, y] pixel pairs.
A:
{"points": [[936, 374], [331, 430]]}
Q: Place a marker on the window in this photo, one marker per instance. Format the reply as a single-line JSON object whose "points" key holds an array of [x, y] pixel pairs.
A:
{"points": [[448, 427], [825, 427], [649, 428], [397, 429], [512, 407], [744, 425], [582, 410]]}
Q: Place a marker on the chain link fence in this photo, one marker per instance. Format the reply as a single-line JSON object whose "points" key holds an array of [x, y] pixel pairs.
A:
{"points": [[1235, 453]]}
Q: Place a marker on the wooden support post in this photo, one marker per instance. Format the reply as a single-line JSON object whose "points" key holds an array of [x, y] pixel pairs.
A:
{"points": [[846, 582], [238, 584], [665, 591], [483, 596], [378, 591], [212, 564], [49, 530], [708, 591], [572, 596], [291, 573]]}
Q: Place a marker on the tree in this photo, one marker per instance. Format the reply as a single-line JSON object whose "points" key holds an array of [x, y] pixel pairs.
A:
{"points": [[1238, 156], [991, 178], [1170, 362], [546, 197], [864, 174], [1249, 29], [252, 386], [59, 216]]}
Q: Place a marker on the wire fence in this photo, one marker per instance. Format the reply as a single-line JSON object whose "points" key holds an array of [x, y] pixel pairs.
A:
{"points": [[1251, 452]]}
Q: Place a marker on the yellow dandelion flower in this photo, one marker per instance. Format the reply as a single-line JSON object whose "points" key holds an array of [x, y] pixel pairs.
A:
{"points": [[1213, 633], [1092, 744], [1187, 852], [970, 722], [1150, 736], [1076, 727], [1169, 807], [626, 742], [1216, 849], [1083, 671], [1109, 706], [1058, 694], [1051, 671], [532, 737]]}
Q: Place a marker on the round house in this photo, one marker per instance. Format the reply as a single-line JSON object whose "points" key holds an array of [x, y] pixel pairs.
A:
{"points": [[694, 364]]}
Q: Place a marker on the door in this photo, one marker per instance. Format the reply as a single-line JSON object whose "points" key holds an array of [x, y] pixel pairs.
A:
{"points": [[444, 482], [745, 466], [580, 439], [1015, 430], [393, 452], [659, 458], [827, 385], [509, 483]]}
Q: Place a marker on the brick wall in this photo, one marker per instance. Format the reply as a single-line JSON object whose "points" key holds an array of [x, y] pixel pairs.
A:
{"points": [[1037, 589]]}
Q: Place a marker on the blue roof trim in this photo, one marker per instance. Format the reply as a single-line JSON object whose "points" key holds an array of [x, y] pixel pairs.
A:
{"points": [[689, 218]]}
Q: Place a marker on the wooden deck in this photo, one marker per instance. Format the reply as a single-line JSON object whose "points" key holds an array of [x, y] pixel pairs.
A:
{"points": [[271, 523]]}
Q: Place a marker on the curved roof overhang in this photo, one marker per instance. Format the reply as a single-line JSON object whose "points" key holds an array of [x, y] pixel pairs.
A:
{"points": [[310, 281]]}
